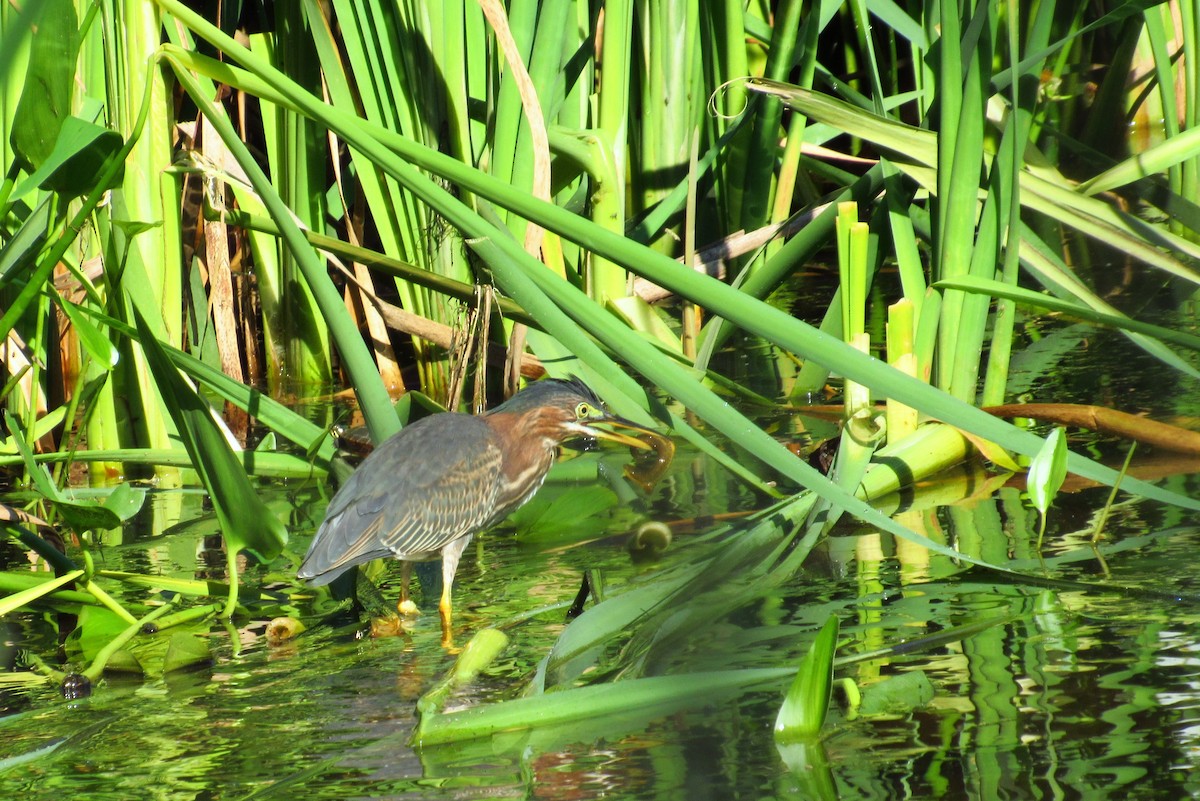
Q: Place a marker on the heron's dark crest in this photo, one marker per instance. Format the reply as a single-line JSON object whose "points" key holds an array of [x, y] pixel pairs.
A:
{"points": [[559, 392]]}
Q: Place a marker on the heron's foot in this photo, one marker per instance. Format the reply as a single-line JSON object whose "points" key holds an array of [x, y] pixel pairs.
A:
{"points": [[407, 608]]}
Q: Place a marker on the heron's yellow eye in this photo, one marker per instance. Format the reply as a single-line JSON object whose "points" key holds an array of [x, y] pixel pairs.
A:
{"points": [[584, 411]]}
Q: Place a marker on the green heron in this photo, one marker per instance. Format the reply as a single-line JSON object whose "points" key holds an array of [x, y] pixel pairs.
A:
{"points": [[425, 491]]}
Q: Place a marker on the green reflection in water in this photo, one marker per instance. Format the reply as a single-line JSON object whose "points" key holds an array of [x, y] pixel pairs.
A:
{"points": [[1082, 695]]}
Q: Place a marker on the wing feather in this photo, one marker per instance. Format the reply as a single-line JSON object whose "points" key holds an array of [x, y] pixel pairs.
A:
{"points": [[432, 483]]}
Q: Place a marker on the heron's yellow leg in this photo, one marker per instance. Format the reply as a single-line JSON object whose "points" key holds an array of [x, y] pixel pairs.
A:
{"points": [[406, 607], [446, 615], [450, 556]]}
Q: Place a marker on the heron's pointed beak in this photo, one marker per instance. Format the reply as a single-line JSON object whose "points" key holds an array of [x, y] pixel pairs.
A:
{"points": [[589, 432], [618, 436]]}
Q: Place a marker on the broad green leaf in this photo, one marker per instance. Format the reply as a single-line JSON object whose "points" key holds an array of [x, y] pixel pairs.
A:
{"points": [[807, 701], [246, 523], [22, 248], [86, 515], [49, 82], [125, 501], [98, 626], [124, 661], [897, 695], [77, 160], [185, 650]]}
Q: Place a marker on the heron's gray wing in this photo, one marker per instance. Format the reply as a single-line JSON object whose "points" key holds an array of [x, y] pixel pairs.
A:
{"points": [[430, 484]]}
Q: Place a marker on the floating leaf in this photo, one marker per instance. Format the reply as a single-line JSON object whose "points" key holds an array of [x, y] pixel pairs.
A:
{"points": [[86, 515], [897, 695], [186, 651], [98, 626], [122, 661], [125, 501]]}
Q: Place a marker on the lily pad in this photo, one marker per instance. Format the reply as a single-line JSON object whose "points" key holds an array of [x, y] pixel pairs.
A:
{"points": [[186, 651]]}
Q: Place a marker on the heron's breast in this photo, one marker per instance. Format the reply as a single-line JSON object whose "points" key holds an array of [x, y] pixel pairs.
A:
{"points": [[519, 482]]}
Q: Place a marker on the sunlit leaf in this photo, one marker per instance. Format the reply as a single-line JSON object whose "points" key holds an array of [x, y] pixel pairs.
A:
{"points": [[42, 426], [246, 523], [1047, 470], [1182, 147], [92, 338], [77, 161], [11, 603], [49, 81], [185, 650], [97, 627], [125, 501], [581, 707], [807, 701]]}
